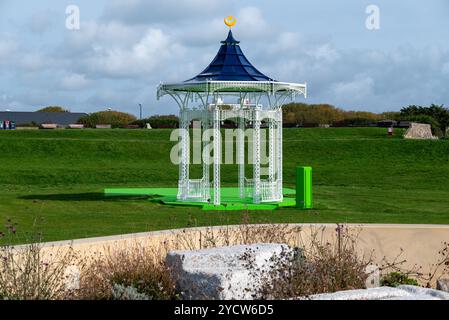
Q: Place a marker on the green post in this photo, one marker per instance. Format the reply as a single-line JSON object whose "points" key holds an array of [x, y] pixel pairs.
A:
{"points": [[304, 194]]}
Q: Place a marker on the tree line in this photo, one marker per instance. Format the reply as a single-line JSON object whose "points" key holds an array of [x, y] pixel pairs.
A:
{"points": [[294, 115], [435, 115], [121, 120], [311, 115]]}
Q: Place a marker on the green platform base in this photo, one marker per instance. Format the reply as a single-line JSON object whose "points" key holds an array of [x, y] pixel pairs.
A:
{"points": [[229, 197]]}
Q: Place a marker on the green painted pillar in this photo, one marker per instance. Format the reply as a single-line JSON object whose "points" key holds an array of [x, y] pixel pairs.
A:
{"points": [[304, 193]]}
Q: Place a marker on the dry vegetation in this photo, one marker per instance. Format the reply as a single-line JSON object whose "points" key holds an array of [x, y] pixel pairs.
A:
{"points": [[319, 264], [27, 273], [127, 274]]}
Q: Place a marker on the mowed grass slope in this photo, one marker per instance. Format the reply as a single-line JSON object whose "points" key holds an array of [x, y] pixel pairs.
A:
{"points": [[55, 179]]}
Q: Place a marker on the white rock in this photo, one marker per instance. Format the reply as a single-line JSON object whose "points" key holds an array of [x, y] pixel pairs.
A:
{"points": [[382, 293], [440, 295], [385, 293], [223, 273]]}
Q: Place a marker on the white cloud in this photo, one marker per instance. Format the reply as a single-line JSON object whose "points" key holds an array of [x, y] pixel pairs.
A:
{"points": [[93, 34], [7, 49], [325, 52], [32, 61], [74, 82], [445, 68], [252, 24], [289, 41], [41, 22], [154, 50], [118, 59], [358, 89], [147, 12]]}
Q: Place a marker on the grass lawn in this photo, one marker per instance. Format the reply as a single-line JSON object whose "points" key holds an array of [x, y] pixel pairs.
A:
{"points": [[55, 179]]}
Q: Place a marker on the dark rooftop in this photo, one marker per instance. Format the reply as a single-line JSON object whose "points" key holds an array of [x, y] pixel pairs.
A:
{"points": [[230, 64], [59, 118]]}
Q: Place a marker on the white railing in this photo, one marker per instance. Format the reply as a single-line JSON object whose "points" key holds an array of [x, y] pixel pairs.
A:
{"points": [[195, 189], [269, 191], [249, 187], [199, 191]]}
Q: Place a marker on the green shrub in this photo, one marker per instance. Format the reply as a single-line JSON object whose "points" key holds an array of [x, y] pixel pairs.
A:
{"points": [[27, 125], [311, 115], [159, 122], [395, 279], [356, 122], [53, 109], [438, 113], [121, 292], [114, 118]]}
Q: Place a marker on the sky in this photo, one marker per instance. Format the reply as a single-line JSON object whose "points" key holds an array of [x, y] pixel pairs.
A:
{"points": [[125, 48]]}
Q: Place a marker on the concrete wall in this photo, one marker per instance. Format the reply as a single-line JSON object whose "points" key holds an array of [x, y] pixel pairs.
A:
{"points": [[420, 243]]}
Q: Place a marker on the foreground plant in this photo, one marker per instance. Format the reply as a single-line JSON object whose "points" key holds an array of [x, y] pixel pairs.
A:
{"points": [[395, 279], [318, 266], [321, 262], [132, 273], [245, 233], [395, 272], [28, 273]]}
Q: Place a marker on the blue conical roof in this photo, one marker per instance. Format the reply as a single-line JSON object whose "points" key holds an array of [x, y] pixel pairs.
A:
{"points": [[230, 64]]}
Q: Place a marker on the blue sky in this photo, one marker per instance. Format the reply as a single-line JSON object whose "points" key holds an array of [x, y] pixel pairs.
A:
{"points": [[124, 49]]}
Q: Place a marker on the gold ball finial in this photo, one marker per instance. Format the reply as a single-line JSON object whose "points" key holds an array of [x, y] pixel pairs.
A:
{"points": [[230, 21]]}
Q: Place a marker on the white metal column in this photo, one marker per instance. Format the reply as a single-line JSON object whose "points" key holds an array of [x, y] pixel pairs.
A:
{"points": [[241, 155], [256, 157], [205, 159], [185, 157], [272, 150], [217, 156], [279, 154]]}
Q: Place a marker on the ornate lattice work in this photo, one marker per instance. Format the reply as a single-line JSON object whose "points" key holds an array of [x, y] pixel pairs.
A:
{"points": [[205, 101], [261, 190], [241, 156], [217, 156], [256, 157]]}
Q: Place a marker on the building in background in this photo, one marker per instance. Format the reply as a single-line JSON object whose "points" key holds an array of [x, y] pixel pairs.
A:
{"points": [[62, 119]]}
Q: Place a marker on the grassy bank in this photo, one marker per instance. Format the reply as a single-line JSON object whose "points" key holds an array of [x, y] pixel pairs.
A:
{"points": [[55, 179]]}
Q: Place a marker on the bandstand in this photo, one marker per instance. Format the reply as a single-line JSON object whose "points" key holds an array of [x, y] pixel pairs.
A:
{"points": [[231, 88]]}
